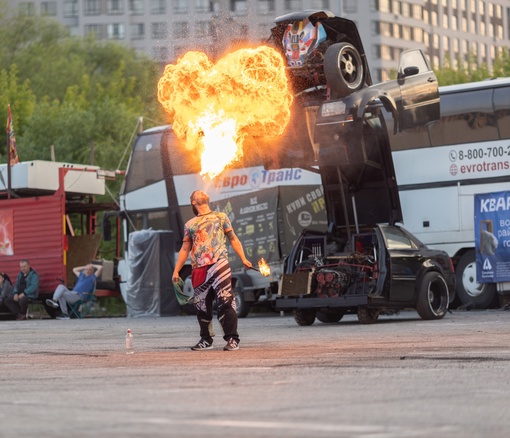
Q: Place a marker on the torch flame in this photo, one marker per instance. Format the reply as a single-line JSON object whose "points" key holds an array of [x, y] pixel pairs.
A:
{"points": [[213, 107], [264, 268]]}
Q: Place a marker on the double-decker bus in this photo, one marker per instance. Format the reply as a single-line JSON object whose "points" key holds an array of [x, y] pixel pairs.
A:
{"points": [[441, 166]]}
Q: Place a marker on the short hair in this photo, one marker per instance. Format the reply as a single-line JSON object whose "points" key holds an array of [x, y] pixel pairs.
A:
{"points": [[200, 197], [24, 261]]}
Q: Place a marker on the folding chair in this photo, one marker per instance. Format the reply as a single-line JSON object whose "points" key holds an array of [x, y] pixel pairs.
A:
{"points": [[84, 306]]}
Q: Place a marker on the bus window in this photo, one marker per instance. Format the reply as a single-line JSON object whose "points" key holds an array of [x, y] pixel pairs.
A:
{"points": [[465, 118], [145, 163], [155, 220], [181, 161], [502, 109]]}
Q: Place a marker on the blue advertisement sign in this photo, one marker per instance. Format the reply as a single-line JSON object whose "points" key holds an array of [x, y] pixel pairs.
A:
{"points": [[492, 237]]}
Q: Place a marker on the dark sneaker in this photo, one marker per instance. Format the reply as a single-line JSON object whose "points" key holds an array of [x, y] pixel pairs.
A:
{"points": [[202, 345], [52, 303], [63, 316], [21, 317], [232, 345]]}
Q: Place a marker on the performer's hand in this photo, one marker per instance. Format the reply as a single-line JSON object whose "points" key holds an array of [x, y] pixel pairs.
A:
{"points": [[247, 264], [175, 277]]}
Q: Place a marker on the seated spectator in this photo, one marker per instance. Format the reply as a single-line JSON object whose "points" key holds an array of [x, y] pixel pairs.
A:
{"points": [[25, 289], [84, 285], [6, 288]]}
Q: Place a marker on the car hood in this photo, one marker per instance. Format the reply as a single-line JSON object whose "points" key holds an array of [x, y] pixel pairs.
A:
{"points": [[360, 189]]}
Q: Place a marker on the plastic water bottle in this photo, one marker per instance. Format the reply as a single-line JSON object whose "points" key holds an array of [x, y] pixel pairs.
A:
{"points": [[129, 342]]}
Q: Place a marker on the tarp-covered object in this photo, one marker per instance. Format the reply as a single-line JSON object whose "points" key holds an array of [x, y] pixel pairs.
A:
{"points": [[151, 262]]}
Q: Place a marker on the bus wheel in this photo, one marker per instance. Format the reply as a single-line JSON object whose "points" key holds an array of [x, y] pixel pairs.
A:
{"points": [[242, 306], [304, 316], [433, 297], [469, 291], [367, 316], [328, 316], [343, 68]]}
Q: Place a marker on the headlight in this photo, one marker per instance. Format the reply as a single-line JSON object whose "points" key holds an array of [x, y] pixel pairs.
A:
{"points": [[332, 109]]}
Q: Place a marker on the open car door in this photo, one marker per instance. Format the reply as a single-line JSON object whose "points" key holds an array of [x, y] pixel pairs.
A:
{"points": [[419, 91]]}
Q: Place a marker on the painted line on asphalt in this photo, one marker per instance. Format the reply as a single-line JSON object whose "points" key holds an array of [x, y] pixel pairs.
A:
{"points": [[366, 431]]}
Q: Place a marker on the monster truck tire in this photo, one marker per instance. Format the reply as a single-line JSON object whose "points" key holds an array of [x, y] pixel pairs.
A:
{"points": [[343, 68], [433, 296]]}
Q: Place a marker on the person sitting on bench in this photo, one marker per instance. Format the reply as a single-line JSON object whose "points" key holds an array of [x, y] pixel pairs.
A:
{"points": [[85, 284], [26, 288]]}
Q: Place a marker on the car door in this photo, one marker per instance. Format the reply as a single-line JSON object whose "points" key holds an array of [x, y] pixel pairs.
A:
{"points": [[405, 261], [419, 100]]}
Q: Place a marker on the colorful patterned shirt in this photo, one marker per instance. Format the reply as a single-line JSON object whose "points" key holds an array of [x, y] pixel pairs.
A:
{"points": [[207, 235]]}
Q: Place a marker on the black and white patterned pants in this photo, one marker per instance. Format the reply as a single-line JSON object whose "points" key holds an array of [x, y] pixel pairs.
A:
{"points": [[210, 282]]}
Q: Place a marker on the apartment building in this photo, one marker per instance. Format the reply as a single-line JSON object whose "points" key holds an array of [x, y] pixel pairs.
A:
{"points": [[165, 29]]}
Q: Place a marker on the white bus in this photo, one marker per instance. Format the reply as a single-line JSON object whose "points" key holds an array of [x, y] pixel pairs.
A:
{"points": [[441, 166]]}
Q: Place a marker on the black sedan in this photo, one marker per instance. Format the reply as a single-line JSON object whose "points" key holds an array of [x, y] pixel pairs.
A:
{"points": [[380, 269]]}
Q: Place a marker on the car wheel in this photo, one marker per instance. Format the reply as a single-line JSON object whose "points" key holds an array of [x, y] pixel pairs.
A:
{"points": [[433, 296], [469, 291], [304, 316], [367, 316], [343, 68], [328, 316], [242, 306]]}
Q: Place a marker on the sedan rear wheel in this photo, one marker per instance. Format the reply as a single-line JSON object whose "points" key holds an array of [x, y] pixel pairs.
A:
{"points": [[304, 316], [432, 296], [329, 316]]}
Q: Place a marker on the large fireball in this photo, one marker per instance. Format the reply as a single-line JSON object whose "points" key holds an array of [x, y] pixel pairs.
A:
{"points": [[213, 107]]}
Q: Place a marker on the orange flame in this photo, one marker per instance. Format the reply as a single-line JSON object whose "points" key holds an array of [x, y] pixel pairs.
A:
{"points": [[264, 268], [213, 107]]}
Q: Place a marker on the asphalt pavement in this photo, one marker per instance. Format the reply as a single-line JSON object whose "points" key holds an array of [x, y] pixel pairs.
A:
{"points": [[400, 377]]}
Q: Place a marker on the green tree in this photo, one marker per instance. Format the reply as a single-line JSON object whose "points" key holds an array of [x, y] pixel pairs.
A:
{"points": [[73, 93], [461, 71], [77, 92], [21, 98]]}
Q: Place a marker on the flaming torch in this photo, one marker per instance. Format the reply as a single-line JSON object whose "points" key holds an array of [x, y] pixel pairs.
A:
{"points": [[263, 268], [214, 107]]}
